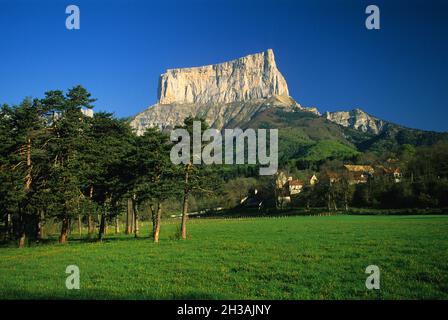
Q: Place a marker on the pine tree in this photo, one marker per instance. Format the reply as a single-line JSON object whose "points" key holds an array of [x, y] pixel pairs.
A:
{"points": [[154, 179], [68, 130]]}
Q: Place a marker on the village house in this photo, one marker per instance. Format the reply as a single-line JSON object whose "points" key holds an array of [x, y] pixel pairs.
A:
{"points": [[287, 187], [358, 173], [394, 173], [295, 186], [312, 180]]}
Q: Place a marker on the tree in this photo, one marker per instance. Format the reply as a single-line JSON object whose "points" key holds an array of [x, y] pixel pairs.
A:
{"points": [[196, 177], [105, 177], [68, 128], [22, 130], [153, 174]]}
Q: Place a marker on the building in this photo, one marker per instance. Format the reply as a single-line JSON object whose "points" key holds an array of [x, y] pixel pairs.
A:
{"points": [[394, 173], [287, 187], [312, 180], [87, 112], [358, 173], [295, 186]]}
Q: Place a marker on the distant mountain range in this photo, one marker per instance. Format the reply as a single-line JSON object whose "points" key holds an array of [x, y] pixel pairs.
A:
{"points": [[250, 92]]}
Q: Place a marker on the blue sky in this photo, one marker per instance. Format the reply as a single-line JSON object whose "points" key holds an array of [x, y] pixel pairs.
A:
{"points": [[328, 57]]}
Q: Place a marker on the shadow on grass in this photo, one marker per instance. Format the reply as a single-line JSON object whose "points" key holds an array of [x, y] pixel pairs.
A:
{"points": [[94, 294], [53, 240]]}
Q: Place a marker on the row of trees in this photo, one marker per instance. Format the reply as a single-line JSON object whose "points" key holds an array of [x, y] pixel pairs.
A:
{"points": [[57, 164]]}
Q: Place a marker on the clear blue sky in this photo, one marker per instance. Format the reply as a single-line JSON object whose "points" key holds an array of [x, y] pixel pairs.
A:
{"points": [[329, 59]]}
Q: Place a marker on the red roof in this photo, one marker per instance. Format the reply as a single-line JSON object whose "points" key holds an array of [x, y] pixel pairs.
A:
{"points": [[296, 183]]}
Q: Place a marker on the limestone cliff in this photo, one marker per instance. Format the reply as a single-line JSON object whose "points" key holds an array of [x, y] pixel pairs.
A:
{"points": [[252, 77], [225, 94], [356, 119]]}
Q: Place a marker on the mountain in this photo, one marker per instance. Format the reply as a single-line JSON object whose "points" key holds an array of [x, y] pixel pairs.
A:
{"points": [[356, 119], [249, 78], [226, 94], [250, 92]]}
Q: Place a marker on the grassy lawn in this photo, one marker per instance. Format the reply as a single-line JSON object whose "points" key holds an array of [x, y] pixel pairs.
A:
{"points": [[260, 258]]}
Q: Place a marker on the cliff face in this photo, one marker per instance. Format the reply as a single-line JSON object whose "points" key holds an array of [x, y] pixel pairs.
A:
{"points": [[252, 77], [356, 119], [226, 94]]}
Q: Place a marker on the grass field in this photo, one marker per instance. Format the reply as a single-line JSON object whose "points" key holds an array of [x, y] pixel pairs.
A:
{"points": [[259, 258]]}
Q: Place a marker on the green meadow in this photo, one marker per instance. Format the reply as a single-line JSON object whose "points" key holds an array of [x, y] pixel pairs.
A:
{"points": [[302, 257]]}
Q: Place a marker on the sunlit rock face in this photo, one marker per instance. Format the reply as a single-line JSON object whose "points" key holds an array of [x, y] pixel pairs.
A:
{"points": [[252, 77], [356, 119], [225, 94]]}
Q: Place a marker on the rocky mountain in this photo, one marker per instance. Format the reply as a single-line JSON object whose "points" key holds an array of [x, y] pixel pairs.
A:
{"points": [[230, 94], [356, 119], [249, 78], [226, 94]]}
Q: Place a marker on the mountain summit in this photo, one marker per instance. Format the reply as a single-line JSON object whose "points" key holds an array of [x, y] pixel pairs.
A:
{"points": [[227, 94], [252, 77]]}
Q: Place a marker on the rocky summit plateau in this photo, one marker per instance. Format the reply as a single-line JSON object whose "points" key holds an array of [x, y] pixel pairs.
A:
{"points": [[252, 77], [231, 94]]}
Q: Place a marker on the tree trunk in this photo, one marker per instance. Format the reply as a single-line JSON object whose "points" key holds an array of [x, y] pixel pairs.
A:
{"points": [[128, 216], [153, 219], [132, 219], [8, 226], [64, 230], [79, 226], [21, 228], [28, 178], [22, 239], [90, 227], [136, 225], [39, 226], [346, 201], [102, 227], [157, 222], [135, 216], [117, 225], [183, 226]]}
